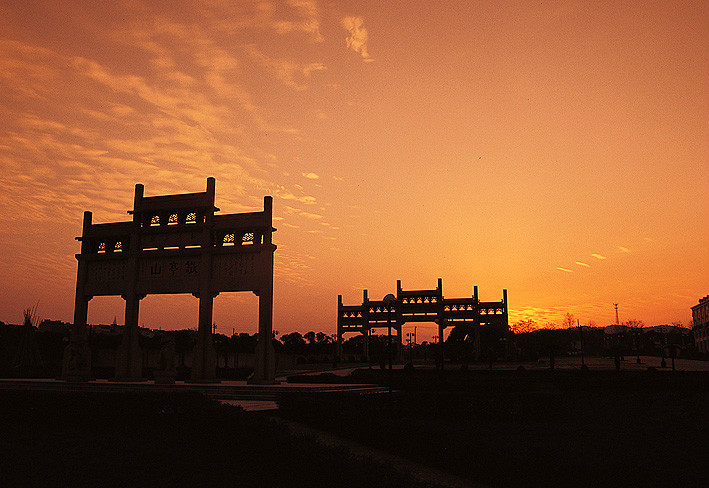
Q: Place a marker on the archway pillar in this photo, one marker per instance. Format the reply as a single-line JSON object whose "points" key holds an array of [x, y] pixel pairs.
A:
{"points": [[76, 362], [129, 356], [204, 357], [265, 366]]}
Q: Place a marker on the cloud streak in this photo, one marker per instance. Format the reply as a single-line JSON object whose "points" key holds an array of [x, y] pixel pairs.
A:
{"points": [[358, 38]]}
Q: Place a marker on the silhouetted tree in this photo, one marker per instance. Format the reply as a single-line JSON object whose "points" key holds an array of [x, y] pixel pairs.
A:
{"points": [[323, 338], [310, 337], [293, 342], [524, 326]]}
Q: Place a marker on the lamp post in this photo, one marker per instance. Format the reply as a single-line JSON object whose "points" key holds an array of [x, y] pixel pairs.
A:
{"points": [[389, 300], [408, 338], [368, 338]]}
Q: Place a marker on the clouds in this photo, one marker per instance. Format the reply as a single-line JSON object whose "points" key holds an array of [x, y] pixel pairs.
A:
{"points": [[599, 257], [153, 97], [180, 107], [357, 40]]}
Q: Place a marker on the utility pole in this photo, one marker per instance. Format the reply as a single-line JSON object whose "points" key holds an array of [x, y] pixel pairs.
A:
{"points": [[617, 322], [581, 339]]}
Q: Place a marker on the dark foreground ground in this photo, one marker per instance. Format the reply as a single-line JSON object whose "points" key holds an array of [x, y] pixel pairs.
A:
{"points": [[532, 428], [503, 428], [77, 439]]}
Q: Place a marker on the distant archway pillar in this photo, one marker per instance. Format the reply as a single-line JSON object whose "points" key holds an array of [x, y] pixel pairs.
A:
{"points": [[365, 347], [399, 341], [441, 352]]}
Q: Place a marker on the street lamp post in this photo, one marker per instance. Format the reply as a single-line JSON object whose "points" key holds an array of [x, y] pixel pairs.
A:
{"points": [[408, 338], [368, 338]]}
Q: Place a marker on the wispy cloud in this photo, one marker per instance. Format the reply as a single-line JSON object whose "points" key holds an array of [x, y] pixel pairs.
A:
{"points": [[311, 176], [297, 211], [302, 199], [623, 249], [565, 270], [292, 74], [357, 40], [598, 256], [309, 215], [287, 17], [309, 21], [583, 264]]}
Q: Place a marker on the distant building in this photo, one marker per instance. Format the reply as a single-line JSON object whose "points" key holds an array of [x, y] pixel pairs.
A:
{"points": [[700, 318], [55, 326]]}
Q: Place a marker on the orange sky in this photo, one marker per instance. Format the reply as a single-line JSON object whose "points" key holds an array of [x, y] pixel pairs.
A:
{"points": [[556, 149]]}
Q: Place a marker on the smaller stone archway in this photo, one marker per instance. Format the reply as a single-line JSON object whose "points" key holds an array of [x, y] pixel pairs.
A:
{"points": [[418, 306]]}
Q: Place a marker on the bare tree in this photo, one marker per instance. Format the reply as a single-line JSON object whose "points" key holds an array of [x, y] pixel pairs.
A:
{"points": [[679, 323], [30, 315], [636, 325], [569, 321]]}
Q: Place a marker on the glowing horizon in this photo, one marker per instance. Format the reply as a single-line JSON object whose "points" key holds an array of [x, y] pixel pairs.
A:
{"points": [[558, 151]]}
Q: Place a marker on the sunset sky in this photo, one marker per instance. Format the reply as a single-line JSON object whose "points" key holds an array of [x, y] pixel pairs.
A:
{"points": [[559, 150]]}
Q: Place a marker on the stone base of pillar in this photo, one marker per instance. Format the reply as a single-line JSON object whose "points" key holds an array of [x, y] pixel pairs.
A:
{"points": [[265, 367], [129, 357], [204, 362], [76, 363], [166, 373], [164, 377]]}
